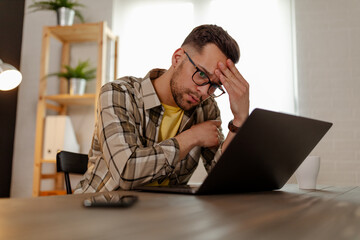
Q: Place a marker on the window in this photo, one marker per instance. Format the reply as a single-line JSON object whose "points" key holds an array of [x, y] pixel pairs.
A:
{"points": [[151, 31]]}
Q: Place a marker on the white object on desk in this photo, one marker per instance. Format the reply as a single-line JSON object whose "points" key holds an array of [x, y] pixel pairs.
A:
{"points": [[307, 173]]}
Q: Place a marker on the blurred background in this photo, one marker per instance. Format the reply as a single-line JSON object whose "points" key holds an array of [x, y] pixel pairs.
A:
{"points": [[299, 56]]}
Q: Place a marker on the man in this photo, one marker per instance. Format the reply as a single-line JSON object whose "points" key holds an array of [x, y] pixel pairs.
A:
{"points": [[152, 131]]}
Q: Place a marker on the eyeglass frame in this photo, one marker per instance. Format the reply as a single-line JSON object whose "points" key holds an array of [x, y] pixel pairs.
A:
{"points": [[205, 83]]}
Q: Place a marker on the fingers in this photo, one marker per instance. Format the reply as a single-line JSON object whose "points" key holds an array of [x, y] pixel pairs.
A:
{"points": [[236, 72], [217, 123], [208, 132], [214, 132], [226, 76], [230, 77], [237, 88], [217, 133]]}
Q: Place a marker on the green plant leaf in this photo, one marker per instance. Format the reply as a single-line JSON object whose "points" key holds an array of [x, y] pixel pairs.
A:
{"points": [[56, 4], [82, 70]]}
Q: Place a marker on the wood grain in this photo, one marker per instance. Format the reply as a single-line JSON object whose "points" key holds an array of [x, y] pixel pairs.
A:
{"points": [[333, 213]]}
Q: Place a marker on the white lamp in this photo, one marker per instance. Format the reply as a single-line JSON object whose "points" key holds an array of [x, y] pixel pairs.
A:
{"points": [[10, 77]]}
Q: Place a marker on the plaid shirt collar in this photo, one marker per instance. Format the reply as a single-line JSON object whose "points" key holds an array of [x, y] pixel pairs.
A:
{"points": [[149, 95]]}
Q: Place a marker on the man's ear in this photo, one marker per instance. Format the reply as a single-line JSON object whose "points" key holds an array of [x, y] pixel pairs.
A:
{"points": [[177, 57]]}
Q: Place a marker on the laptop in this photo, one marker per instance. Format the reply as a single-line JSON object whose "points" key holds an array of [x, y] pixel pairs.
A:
{"points": [[263, 155]]}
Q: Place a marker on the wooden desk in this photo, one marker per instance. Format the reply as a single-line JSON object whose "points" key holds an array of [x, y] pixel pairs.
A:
{"points": [[328, 213]]}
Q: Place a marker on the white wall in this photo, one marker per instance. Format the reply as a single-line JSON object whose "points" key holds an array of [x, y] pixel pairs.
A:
{"points": [[82, 118], [261, 27], [328, 37], [328, 33]]}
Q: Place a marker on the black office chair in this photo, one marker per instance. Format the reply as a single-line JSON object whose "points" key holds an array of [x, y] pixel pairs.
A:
{"points": [[69, 162]]}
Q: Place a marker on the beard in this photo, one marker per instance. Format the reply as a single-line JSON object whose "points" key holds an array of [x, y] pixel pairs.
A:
{"points": [[178, 92]]}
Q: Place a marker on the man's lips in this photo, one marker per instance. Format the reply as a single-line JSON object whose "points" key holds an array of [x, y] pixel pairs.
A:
{"points": [[194, 99]]}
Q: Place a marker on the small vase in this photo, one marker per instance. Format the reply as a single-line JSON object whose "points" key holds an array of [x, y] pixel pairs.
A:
{"points": [[65, 16], [77, 86]]}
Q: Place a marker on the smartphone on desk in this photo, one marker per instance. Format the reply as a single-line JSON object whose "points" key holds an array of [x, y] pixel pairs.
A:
{"points": [[111, 200]]}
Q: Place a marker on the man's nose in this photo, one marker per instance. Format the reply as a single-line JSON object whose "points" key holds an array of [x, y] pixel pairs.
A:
{"points": [[203, 90]]}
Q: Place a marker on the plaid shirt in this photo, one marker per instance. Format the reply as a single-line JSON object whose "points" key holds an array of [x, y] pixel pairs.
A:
{"points": [[125, 152]]}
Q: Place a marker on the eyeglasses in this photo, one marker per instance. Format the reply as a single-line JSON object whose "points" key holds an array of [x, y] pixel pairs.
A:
{"points": [[201, 79]]}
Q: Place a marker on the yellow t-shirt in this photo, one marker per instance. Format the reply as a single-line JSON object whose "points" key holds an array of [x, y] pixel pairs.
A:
{"points": [[168, 128], [170, 123]]}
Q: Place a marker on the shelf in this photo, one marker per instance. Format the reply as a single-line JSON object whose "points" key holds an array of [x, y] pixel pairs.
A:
{"points": [[48, 160], [59, 104], [52, 193], [86, 32], [66, 99]]}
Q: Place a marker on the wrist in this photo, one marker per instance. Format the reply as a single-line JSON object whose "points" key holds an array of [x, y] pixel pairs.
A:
{"points": [[237, 122], [191, 139]]}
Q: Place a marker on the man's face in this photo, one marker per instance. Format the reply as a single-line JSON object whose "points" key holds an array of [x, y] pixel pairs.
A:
{"points": [[186, 93]]}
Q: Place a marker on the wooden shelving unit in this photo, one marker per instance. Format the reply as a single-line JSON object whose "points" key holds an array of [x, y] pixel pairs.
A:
{"points": [[66, 99], [66, 35]]}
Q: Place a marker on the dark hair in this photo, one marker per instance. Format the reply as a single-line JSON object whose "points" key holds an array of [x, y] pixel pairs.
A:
{"points": [[205, 34]]}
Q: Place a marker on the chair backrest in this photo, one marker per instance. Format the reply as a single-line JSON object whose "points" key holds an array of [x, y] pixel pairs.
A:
{"points": [[69, 162]]}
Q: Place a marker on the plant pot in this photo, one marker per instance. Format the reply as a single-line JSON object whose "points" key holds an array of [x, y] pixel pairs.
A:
{"points": [[65, 16], [77, 86]]}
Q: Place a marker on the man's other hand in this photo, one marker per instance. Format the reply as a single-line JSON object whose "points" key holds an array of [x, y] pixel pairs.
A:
{"points": [[237, 88], [206, 134]]}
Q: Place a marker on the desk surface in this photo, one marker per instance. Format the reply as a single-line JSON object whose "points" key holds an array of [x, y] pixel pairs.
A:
{"points": [[327, 213]]}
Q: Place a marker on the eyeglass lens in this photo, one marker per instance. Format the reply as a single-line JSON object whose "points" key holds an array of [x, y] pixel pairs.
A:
{"points": [[214, 91]]}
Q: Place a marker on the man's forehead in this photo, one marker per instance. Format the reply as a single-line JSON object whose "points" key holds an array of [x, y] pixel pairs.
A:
{"points": [[211, 55]]}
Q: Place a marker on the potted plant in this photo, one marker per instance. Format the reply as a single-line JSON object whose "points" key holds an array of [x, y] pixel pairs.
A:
{"points": [[77, 76], [65, 10]]}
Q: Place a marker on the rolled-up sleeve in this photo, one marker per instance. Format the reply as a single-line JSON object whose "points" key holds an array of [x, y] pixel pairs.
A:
{"points": [[130, 162], [124, 151]]}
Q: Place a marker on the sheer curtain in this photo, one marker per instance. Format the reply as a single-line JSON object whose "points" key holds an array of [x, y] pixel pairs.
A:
{"points": [[150, 31]]}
